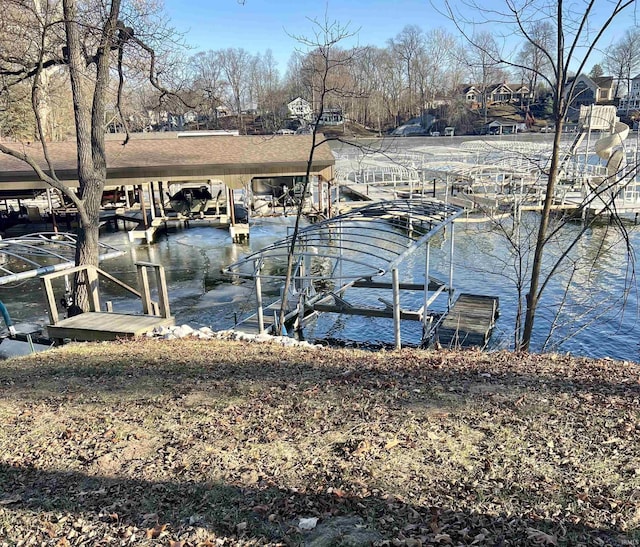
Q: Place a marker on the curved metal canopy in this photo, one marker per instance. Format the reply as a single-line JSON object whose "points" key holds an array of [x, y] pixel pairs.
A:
{"points": [[364, 242], [40, 253]]}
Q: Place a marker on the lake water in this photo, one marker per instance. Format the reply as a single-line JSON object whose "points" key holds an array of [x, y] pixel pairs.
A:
{"points": [[599, 310]]}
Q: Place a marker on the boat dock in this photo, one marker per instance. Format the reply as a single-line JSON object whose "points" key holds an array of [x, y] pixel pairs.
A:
{"points": [[469, 322], [97, 325]]}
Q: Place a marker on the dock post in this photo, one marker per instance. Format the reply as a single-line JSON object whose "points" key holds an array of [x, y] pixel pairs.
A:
{"points": [[396, 307], [426, 288], [258, 283], [143, 207], [451, 245], [161, 201]]}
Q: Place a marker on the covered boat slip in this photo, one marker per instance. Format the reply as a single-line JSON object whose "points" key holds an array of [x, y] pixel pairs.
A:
{"points": [[159, 163], [364, 248]]}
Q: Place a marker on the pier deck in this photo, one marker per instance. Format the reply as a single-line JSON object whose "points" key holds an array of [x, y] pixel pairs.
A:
{"points": [[469, 322], [101, 326]]}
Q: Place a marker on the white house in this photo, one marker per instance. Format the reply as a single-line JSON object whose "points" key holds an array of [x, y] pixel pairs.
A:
{"points": [[632, 100], [300, 109]]}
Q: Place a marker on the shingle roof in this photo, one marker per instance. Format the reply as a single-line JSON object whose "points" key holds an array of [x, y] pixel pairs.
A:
{"points": [[155, 157]]}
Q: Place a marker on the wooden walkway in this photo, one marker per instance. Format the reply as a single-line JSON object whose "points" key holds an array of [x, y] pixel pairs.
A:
{"points": [[372, 192], [469, 322], [101, 326], [96, 325]]}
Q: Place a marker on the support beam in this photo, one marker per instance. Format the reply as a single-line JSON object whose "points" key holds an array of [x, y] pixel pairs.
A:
{"points": [[451, 247], [425, 309], [258, 283], [396, 307]]}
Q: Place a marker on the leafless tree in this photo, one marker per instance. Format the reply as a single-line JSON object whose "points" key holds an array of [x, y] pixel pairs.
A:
{"points": [[531, 56], [579, 27], [235, 65], [483, 58], [90, 41], [330, 61], [408, 47], [622, 60], [208, 82]]}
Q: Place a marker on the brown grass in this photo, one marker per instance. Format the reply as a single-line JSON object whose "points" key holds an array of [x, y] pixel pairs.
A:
{"points": [[211, 442]]}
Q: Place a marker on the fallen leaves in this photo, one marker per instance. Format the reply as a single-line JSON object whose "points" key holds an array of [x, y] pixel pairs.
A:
{"points": [[193, 444], [157, 531]]}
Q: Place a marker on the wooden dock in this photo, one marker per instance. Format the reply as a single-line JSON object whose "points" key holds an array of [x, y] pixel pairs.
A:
{"points": [[97, 325], [101, 326], [469, 322]]}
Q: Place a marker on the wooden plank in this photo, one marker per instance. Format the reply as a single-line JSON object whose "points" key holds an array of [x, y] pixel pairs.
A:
{"points": [[52, 306], [366, 312], [368, 284]]}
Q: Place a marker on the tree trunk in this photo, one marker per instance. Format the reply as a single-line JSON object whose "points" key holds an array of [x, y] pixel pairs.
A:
{"points": [[536, 271]]}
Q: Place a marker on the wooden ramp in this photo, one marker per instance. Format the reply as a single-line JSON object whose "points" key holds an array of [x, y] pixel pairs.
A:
{"points": [[100, 326], [469, 322]]}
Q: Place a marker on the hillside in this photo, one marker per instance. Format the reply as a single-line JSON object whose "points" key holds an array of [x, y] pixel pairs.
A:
{"points": [[192, 442]]}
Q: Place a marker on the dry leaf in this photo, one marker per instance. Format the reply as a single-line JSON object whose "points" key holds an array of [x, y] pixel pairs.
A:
{"points": [[155, 532], [392, 444]]}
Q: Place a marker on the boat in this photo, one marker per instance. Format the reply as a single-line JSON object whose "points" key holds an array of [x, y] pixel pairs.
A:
{"points": [[189, 201]]}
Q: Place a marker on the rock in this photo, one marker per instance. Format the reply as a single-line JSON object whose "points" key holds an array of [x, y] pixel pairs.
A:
{"points": [[347, 531], [182, 331]]}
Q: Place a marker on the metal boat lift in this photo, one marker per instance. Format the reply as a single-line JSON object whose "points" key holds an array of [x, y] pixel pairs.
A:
{"points": [[33, 255], [350, 251]]}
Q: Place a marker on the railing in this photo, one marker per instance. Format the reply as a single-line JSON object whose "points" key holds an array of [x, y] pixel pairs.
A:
{"points": [[90, 276]]}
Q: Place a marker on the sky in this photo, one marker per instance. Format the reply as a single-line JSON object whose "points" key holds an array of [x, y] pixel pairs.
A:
{"points": [[258, 25]]}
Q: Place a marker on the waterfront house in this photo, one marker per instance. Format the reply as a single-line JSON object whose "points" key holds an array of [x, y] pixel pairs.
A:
{"points": [[300, 109], [590, 90], [632, 100]]}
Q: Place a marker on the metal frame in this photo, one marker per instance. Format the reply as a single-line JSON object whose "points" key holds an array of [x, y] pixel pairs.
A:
{"points": [[369, 241], [42, 253]]}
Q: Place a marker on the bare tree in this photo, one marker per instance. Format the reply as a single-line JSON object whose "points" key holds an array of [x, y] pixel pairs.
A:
{"points": [[328, 59], [578, 31], [235, 65], [531, 56], [408, 46], [89, 41], [484, 60], [623, 59], [208, 82]]}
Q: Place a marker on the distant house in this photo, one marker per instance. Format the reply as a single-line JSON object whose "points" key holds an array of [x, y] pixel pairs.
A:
{"points": [[331, 116], [590, 90], [632, 100], [498, 127], [471, 95], [300, 109], [222, 111], [502, 93]]}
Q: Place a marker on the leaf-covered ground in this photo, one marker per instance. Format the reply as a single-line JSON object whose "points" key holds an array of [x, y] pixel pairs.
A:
{"points": [[196, 443]]}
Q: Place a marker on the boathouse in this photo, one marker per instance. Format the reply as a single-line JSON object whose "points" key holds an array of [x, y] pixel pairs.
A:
{"points": [[153, 161]]}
